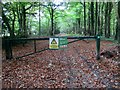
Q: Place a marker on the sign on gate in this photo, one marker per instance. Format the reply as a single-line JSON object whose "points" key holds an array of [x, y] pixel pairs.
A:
{"points": [[54, 43], [58, 42], [63, 42]]}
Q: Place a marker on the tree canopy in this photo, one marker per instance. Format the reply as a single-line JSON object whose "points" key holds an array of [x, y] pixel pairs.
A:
{"points": [[25, 19]]}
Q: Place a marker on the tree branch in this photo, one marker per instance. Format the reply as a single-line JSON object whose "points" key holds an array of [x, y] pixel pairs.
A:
{"points": [[58, 5], [29, 7]]}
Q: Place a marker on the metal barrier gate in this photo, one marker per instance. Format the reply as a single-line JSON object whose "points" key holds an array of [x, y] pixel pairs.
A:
{"points": [[8, 45]]}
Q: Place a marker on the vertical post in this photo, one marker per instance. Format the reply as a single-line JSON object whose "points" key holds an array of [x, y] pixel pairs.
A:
{"points": [[98, 47], [34, 45], [8, 49]]}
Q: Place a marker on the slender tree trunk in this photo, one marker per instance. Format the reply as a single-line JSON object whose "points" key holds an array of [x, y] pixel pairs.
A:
{"points": [[24, 21], [106, 19], [52, 22], [109, 18], [99, 19], [92, 18], [13, 21], [114, 27], [89, 27], [19, 16], [85, 18], [79, 26], [102, 14], [96, 18], [39, 20], [49, 27], [116, 31], [6, 21], [119, 24]]}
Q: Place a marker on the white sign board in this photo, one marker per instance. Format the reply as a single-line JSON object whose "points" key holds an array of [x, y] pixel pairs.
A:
{"points": [[54, 43]]}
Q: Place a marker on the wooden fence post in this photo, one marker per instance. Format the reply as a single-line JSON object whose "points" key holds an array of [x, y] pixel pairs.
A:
{"points": [[98, 47], [8, 49], [34, 45]]}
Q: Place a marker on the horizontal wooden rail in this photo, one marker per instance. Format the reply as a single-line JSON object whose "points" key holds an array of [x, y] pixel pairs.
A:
{"points": [[8, 48], [32, 53], [47, 38]]}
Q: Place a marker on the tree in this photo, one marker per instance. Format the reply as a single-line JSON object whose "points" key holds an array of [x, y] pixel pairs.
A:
{"points": [[89, 20], [109, 18], [108, 10], [96, 18], [85, 18], [101, 19], [39, 20], [106, 19], [92, 18], [7, 20], [118, 22], [22, 18], [51, 6], [22, 11]]}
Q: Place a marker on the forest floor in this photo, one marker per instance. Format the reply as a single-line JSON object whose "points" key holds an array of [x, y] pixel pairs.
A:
{"points": [[74, 67]]}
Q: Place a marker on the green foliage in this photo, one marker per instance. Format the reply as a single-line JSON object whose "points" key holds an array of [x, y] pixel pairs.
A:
{"points": [[68, 18]]}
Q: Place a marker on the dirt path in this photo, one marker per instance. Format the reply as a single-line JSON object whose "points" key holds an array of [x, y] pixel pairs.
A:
{"points": [[75, 66]]}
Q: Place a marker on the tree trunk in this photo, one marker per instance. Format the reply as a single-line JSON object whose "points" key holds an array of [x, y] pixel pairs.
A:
{"points": [[39, 20], [96, 18], [13, 21], [116, 31], [52, 22], [85, 18], [89, 27], [114, 21], [92, 18], [106, 19], [119, 23], [109, 18], [98, 33], [19, 16], [24, 21], [79, 30], [6, 21], [102, 14]]}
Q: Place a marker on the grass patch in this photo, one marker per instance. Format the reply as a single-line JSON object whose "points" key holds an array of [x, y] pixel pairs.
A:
{"points": [[108, 39]]}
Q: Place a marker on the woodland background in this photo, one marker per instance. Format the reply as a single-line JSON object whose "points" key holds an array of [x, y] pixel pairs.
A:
{"points": [[28, 19]]}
